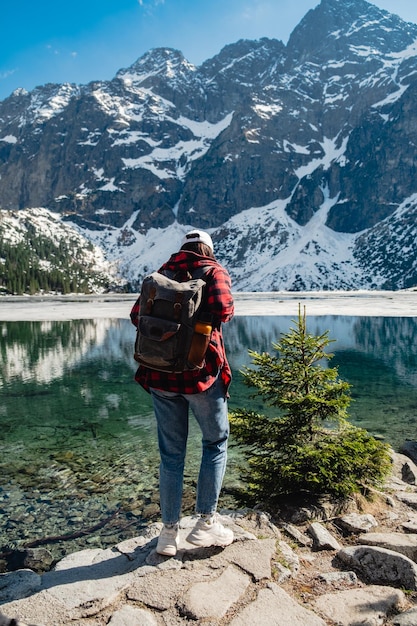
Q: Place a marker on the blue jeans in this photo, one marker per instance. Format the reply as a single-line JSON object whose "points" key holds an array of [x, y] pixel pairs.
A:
{"points": [[171, 411]]}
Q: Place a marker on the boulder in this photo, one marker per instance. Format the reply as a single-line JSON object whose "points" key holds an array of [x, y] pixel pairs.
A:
{"points": [[379, 565]]}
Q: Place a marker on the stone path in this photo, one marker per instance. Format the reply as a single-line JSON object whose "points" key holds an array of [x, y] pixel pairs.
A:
{"points": [[312, 574]]}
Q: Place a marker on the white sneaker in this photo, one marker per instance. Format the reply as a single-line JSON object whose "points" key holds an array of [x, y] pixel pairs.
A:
{"points": [[168, 540], [209, 532]]}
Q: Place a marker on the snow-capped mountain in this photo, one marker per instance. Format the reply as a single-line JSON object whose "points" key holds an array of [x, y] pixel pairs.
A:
{"points": [[299, 159]]}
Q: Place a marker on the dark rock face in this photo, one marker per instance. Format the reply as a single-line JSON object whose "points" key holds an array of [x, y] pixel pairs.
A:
{"points": [[329, 117]]}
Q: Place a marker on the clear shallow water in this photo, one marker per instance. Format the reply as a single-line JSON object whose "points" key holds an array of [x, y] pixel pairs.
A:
{"points": [[78, 451]]}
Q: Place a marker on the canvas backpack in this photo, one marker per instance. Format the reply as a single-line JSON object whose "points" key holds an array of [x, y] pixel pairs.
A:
{"points": [[169, 311]]}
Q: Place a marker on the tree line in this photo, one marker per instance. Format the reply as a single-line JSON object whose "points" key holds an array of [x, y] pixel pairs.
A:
{"points": [[38, 264]]}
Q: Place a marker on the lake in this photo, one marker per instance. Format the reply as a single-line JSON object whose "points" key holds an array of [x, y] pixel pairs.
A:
{"points": [[78, 441]]}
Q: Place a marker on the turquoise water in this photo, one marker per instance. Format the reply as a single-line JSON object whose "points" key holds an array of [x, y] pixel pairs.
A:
{"points": [[77, 436]]}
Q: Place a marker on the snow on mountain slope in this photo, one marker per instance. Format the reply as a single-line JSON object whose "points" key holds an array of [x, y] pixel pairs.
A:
{"points": [[39, 225], [299, 159], [175, 161], [282, 255]]}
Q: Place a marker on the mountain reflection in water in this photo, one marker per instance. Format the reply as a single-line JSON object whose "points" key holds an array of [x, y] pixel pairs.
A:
{"points": [[78, 439]]}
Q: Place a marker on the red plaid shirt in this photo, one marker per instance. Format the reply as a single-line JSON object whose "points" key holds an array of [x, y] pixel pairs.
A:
{"points": [[219, 301]]}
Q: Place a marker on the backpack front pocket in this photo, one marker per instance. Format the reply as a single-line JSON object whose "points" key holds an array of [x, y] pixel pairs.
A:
{"points": [[157, 329], [157, 343]]}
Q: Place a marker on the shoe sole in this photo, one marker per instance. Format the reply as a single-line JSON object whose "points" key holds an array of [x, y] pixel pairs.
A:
{"points": [[166, 552], [205, 543]]}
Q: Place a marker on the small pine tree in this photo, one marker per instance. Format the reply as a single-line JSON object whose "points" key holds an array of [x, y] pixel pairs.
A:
{"points": [[306, 442]]}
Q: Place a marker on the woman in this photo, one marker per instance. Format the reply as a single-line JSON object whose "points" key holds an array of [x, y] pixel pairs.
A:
{"points": [[205, 392]]}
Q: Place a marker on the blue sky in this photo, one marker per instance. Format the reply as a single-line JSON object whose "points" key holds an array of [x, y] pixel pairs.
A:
{"points": [[78, 41]]}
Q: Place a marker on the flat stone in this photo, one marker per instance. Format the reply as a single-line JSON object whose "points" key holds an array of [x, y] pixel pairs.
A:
{"points": [[165, 564], [397, 485], [40, 609], [253, 557], [274, 607], [322, 539], [410, 499], [369, 605], [355, 523], [90, 579], [212, 599], [410, 526], [132, 616], [160, 592], [296, 534]]}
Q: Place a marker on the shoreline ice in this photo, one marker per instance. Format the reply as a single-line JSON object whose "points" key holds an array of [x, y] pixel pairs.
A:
{"points": [[348, 303]]}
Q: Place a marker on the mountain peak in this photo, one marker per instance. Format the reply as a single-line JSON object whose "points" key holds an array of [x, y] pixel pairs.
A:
{"points": [[347, 21], [157, 61], [244, 59]]}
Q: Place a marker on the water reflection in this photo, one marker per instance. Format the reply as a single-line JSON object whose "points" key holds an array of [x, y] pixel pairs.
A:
{"points": [[77, 436], [376, 355]]}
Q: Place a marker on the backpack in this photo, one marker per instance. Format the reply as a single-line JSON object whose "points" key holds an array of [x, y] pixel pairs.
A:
{"points": [[169, 311]]}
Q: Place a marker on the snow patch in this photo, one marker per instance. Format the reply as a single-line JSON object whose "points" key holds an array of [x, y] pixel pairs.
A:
{"points": [[9, 139], [267, 111], [174, 162]]}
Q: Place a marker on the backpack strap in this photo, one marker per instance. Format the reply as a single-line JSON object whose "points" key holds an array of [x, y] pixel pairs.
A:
{"points": [[150, 301], [198, 272], [201, 272], [178, 305]]}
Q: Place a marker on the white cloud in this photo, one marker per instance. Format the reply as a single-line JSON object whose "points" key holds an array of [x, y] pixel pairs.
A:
{"points": [[150, 3], [6, 74]]}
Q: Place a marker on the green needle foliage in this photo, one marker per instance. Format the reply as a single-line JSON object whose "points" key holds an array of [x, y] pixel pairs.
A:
{"points": [[306, 442], [38, 263]]}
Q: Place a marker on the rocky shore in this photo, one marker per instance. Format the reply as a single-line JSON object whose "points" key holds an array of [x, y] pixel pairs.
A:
{"points": [[315, 565]]}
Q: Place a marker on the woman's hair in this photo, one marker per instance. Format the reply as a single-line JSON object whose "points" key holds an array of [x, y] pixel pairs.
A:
{"points": [[199, 248]]}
